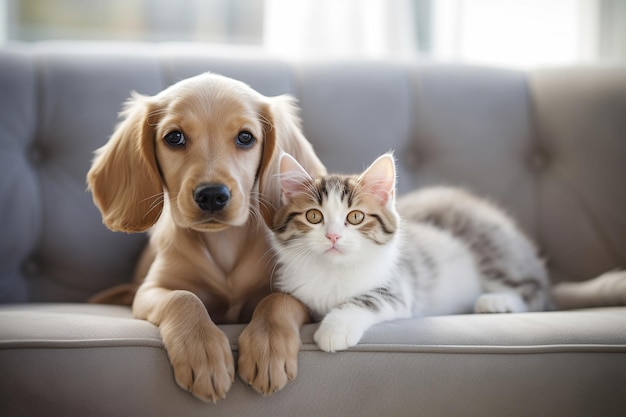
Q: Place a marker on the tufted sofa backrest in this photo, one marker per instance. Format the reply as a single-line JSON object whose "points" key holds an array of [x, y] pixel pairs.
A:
{"points": [[549, 146]]}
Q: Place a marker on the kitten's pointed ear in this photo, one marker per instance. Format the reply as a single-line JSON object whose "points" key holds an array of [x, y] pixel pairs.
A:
{"points": [[293, 178], [379, 179]]}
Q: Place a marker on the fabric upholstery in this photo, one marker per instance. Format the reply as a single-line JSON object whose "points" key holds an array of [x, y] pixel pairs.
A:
{"points": [[470, 365], [547, 145]]}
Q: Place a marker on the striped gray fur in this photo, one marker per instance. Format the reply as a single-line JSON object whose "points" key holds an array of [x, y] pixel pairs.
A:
{"points": [[435, 251]]}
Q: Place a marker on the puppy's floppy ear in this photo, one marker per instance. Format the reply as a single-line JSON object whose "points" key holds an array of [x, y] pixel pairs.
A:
{"points": [[282, 133], [124, 177]]}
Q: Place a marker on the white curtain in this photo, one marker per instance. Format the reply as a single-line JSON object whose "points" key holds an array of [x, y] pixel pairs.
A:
{"points": [[339, 28], [4, 21], [511, 33], [517, 33]]}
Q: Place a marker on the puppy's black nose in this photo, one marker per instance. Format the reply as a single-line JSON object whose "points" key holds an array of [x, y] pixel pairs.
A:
{"points": [[211, 197]]}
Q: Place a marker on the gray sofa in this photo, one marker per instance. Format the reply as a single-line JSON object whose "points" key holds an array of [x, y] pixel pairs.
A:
{"points": [[548, 145]]}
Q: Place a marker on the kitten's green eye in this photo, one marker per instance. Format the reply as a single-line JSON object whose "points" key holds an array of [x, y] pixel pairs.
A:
{"points": [[355, 217], [314, 216]]}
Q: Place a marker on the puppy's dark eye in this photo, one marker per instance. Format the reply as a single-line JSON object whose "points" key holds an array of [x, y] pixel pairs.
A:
{"points": [[175, 138], [245, 139]]}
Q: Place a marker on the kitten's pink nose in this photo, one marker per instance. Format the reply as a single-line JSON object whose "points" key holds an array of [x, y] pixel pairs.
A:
{"points": [[333, 237]]}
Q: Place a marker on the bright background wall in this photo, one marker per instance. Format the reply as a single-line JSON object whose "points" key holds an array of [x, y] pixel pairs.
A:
{"points": [[510, 33]]}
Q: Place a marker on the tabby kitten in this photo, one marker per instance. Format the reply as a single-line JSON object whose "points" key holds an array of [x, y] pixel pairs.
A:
{"points": [[357, 257]]}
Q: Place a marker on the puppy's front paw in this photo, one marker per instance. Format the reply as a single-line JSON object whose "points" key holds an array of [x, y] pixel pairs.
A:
{"points": [[202, 360], [268, 356], [335, 334]]}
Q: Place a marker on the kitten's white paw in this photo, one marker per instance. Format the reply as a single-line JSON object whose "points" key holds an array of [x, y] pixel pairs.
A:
{"points": [[500, 303], [334, 335]]}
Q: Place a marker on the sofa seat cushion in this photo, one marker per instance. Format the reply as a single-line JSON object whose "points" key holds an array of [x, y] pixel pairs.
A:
{"points": [[57, 356]]}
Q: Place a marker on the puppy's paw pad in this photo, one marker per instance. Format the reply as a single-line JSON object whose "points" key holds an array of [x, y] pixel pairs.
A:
{"points": [[203, 366], [268, 360]]}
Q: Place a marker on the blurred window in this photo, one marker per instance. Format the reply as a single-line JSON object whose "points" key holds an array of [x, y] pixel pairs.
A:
{"points": [[514, 33], [214, 21]]}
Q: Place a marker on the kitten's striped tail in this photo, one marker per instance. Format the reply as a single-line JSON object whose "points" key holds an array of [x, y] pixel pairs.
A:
{"points": [[609, 289]]}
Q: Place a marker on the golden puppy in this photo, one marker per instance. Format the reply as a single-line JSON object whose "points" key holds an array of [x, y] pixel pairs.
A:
{"points": [[197, 163]]}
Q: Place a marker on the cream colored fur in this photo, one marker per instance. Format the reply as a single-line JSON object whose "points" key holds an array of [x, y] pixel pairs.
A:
{"points": [[206, 267]]}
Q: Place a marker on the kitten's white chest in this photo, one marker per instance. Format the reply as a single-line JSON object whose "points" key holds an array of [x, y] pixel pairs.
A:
{"points": [[323, 285]]}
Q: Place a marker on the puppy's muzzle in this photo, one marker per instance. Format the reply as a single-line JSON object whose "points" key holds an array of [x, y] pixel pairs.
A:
{"points": [[212, 197]]}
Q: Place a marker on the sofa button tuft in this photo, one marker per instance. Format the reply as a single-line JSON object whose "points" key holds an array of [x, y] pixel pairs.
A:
{"points": [[538, 161], [412, 158], [30, 267], [36, 156]]}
